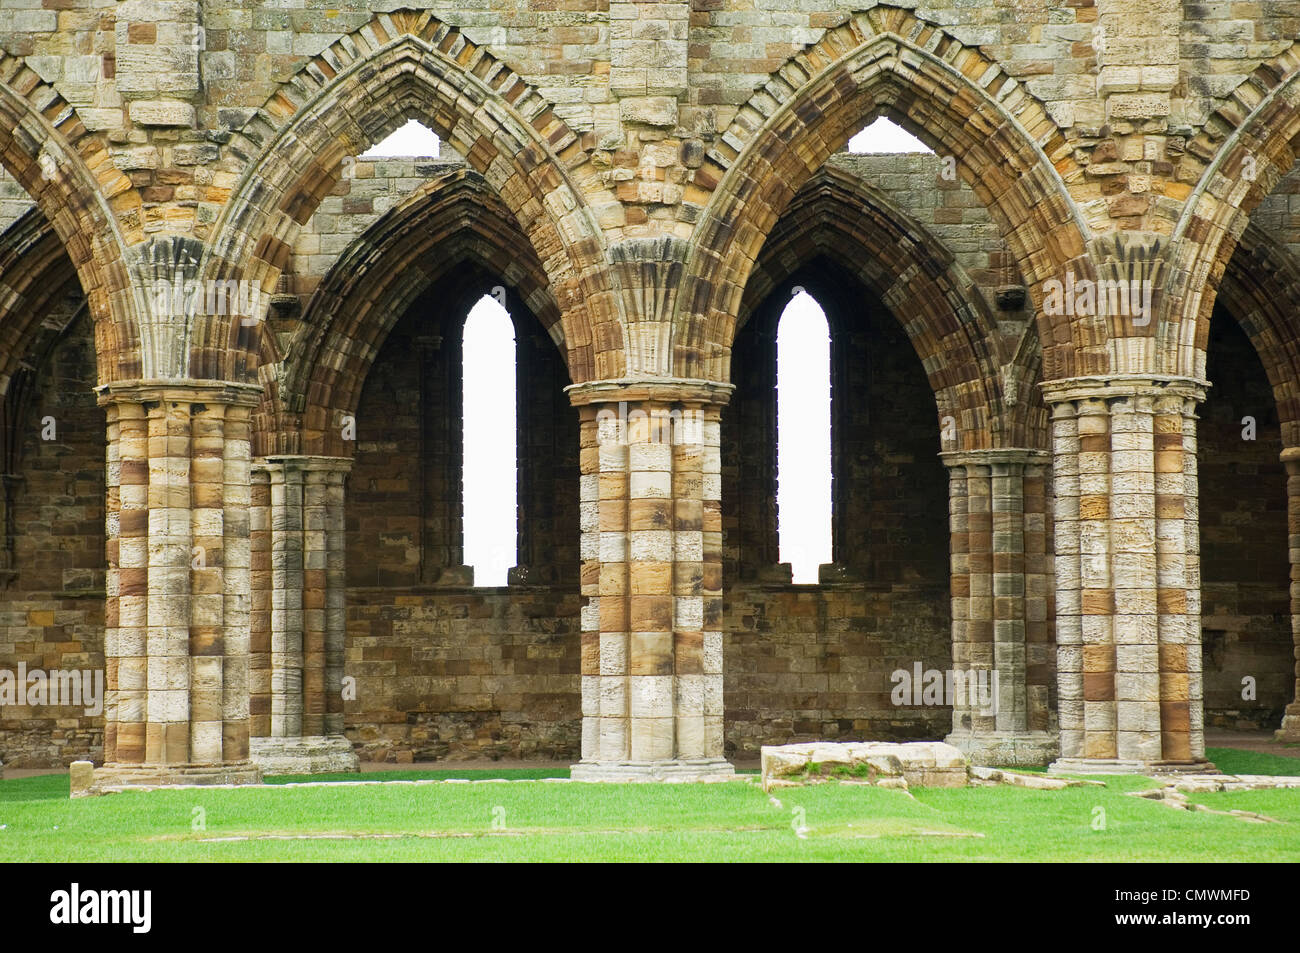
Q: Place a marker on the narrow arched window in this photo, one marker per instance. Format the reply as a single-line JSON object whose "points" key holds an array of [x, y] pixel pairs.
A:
{"points": [[803, 428], [490, 480]]}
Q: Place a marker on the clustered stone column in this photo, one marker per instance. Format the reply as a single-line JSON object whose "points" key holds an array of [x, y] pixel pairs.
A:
{"points": [[176, 621], [651, 522], [1001, 577], [298, 619], [1290, 730], [1127, 572]]}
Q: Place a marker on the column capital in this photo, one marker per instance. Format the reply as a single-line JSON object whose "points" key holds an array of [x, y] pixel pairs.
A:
{"points": [[180, 389], [1104, 386], [670, 389], [961, 458], [291, 461]]}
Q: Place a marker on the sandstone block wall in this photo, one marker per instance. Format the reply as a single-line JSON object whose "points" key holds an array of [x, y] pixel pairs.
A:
{"points": [[52, 612]]}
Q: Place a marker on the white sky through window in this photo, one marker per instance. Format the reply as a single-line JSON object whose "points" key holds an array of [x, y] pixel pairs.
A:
{"points": [[883, 136], [412, 140], [803, 429], [490, 481]]}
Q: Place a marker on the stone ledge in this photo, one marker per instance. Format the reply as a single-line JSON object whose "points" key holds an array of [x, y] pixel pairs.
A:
{"points": [[1121, 386], [180, 390], [314, 754], [637, 389], [710, 769]]}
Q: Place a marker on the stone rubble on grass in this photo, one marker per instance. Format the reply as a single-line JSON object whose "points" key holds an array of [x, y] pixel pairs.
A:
{"points": [[1173, 796], [887, 764], [984, 776], [1202, 783]]}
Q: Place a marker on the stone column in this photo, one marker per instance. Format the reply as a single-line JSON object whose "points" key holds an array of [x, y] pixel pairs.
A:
{"points": [[652, 573], [299, 623], [1000, 577], [176, 628], [1290, 730], [1128, 626]]}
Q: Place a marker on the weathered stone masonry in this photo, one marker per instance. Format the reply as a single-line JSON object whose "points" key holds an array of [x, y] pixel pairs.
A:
{"points": [[1064, 494]]}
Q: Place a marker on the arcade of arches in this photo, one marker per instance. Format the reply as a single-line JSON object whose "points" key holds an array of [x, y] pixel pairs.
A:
{"points": [[1064, 375]]}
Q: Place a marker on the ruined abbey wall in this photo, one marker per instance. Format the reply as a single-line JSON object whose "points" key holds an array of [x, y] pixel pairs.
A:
{"points": [[250, 518]]}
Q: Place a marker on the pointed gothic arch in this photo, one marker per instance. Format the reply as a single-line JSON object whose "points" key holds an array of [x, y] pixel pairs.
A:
{"points": [[90, 204], [400, 66], [839, 216], [961, 104], [1257, 134], [451, 220]]}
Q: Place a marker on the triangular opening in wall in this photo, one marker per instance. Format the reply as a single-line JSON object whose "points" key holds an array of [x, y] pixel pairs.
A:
{"points": [[412, 141], [885, 137]]}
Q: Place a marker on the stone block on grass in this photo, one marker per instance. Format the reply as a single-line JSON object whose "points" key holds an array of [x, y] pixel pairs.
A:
{"points": [[879, 763]]}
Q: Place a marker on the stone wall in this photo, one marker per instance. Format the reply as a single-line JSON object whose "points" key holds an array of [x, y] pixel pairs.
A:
{"points": [[608, 131], [814, 661], [806, 663], [467, 673], [52, 614], [801, 661], [1245, 576], [950, 211], [13, 200]]}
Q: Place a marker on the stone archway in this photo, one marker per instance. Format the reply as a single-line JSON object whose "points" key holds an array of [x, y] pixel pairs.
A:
{"points": [[359, 90], [1260, 287], [995, 536], [1255, 153], [884, 62], [332, 406], [90, 204]]}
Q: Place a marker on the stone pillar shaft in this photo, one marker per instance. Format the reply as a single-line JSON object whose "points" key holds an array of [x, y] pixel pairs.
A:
{"points": [[177, 614], [652, 572], [1127, 570], [299, 618], [287, 594], [1000, 605]]}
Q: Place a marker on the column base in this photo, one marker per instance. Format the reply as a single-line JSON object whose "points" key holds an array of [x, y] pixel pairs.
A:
{"points": [[112, 778], [1128, 766], [312, 754], [707, 769], [1290, 730], [1007, 749]]}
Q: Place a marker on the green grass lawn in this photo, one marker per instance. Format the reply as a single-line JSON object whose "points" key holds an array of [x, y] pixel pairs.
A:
{"points": [[536, 820], [1233, 761]]}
